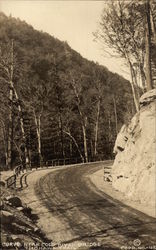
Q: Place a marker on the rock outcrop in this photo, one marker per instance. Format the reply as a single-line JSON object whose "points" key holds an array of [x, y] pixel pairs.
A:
{"points": [[18, 225], [134, 169]]}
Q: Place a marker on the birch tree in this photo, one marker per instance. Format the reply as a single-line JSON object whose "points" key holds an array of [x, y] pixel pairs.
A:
{"points": [[122, 28], [83, 117], [36, 97], [7, 65], [67, 132], [148, 46]]}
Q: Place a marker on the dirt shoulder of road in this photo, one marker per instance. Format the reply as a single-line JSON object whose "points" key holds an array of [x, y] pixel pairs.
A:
{"points": [[55, 229], [97, 179]]}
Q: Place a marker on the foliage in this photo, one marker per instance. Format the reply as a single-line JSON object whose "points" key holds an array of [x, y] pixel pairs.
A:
{"points": [[46, 74]]}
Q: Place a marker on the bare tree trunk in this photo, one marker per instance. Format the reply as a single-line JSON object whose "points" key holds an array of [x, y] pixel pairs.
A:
{"points": [[109, 135], [5, 144], [153, 26], [22, 126], [61, 133], [115, 113], [85, 142], [10, 72], [9, 153], [133, 82], [135, 97], [19, 152], [29, 147], [97, 127], [39, 139], [11, 110], [136, 86], [143, 77], [71, 147], [148, 47], [83, 121], [38, 132], [76, 144], [92, 150]]}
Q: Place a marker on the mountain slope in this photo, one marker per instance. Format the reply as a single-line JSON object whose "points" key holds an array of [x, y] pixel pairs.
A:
{"points": [[46, 74]]}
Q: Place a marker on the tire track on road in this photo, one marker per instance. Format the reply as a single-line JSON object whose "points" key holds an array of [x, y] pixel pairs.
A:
{"points": [[93, 216]]}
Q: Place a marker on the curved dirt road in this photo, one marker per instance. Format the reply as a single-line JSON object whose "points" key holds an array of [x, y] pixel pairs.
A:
{"points": [[93, 217]]}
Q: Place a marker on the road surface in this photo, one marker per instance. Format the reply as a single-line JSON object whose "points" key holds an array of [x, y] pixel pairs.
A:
{"points": [[94, 218]]}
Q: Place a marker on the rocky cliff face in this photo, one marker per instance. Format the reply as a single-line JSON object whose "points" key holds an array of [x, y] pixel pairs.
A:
{"points": [[134, 169]]}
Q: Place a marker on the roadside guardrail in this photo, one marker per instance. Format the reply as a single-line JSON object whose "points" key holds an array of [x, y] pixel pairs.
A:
{"points": [[11, 181], [107, 172]]}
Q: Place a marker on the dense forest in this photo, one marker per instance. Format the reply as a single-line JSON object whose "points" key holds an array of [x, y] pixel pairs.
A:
{"points": [[55, 104]]}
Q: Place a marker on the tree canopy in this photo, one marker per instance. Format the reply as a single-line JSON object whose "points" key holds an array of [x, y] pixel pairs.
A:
{"points": [[54, 102]]}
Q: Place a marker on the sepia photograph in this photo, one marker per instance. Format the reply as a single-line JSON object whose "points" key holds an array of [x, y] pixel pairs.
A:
{"points": [[77, 124]]}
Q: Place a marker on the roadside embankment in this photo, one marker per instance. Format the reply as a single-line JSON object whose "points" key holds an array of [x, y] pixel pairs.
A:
{"points": [[134, 168], [18, 223], [98, 180], [51, 225]]}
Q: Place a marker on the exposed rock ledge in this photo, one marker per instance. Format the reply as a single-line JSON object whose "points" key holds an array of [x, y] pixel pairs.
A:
{"points": [[134, 169]]}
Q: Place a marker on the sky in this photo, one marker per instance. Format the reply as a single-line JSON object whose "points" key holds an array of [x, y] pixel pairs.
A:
{"points": [[71, 21]]}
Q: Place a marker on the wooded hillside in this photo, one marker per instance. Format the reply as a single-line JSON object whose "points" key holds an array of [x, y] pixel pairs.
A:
{"points": [[55, 104]]}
